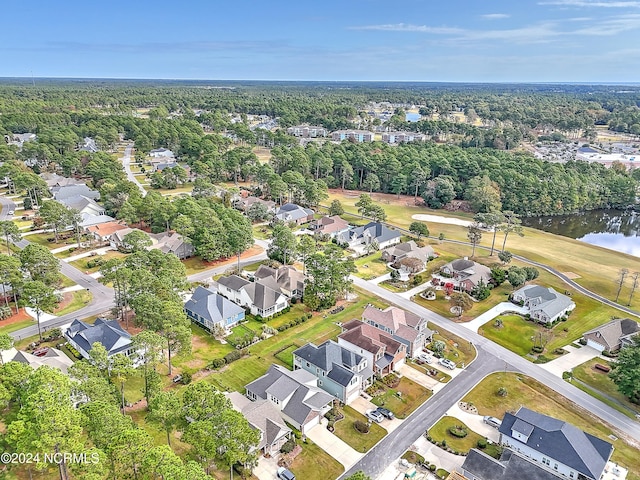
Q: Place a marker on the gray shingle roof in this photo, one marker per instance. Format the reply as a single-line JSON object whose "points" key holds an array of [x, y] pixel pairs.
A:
{"points": [[561, 441], [233, 282], [67, 191], [610, 334], [511, 466], [331, 358], [548, 300], [209, 304], [107, 332], [372, 230]]}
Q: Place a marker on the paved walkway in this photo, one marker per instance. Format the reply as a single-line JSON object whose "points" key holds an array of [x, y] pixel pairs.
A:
{"points": [[415, 290], [434, 454], [266, 468], [335, 447], [568, 361], [361, 405], [97, 251], [475, 422], [62, 249], [492, 313], [381, 278], [44, 316]]}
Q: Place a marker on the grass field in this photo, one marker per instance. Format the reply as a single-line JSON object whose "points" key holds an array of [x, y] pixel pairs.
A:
{"points": [[522, 390], [440, 432], [42, 239], [81, 264], [360, 442], [371, 266], [286, 355], [412, 396], [596, 267], [81, 298], [313, 460], [516, 333], [457, 349], [12, 327]]}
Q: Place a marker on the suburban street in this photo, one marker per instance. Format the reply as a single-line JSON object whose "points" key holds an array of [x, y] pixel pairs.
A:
{"points": [[6, 205], [126, 163], [491, 358]]}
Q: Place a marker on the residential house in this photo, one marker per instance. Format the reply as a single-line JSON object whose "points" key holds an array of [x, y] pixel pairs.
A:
{"points": [[405, 327], [84, 205], [103, 231], [74, 190], [18, 139], [340, 372], [353, 135], [464, 274], [263, 297], [161, 152], [207, 308], [88, 144], [290, 212], [383, 353], [545, 304], [173, 243], [307, 131], [511, 465], [263, 416], [612, 336], [116, 239], [403, 137], [294, 393], [55, 180], [289, 280], [160, 166], [90, 219], [330, 226], [371, 233], [108, 333], [53, 358], [559, 445], [244, 203], [408, 256]]}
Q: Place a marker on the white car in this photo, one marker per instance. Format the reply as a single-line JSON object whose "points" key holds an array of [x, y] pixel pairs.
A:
{"points": [[445, 362], [375, 416], [425, 357], [10, 212]]}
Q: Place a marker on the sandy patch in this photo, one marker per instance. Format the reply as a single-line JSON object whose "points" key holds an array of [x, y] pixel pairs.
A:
{"points": [[571, 275], [439, 219]]}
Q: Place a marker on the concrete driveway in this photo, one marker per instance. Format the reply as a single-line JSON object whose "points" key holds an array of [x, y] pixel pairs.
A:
{"points": [[492, 313], [361, 405], [474, 422], [335, 447], [568, 361], [419, 377], [267, 468]]}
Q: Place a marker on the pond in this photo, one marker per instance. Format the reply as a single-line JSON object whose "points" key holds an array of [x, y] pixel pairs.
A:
{"points": [[613, 229], [412, 117]]}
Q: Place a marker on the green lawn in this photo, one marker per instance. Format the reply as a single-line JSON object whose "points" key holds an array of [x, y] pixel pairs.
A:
{"points": [[81, 298], [601, 382], [360, 442], [42, 239], [412, 396], [252, 267], [286, 355], [261, 232], [204, 348], [516, 333], [81, 264], [522, 390], [371, 266], [66, 282], [15, 326], [457, 349], [313, 460], [440, 432], [441, 376]]}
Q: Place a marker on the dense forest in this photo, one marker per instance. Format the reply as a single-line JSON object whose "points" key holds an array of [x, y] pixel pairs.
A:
{"points": [[206, 124]]}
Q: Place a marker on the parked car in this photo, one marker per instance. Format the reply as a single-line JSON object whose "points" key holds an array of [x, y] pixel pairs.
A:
{"points": [[11, 212], [492, 421], [386, 413], [375, 416], [445, 362], [285, 474], [177, 378], [425, 357]]}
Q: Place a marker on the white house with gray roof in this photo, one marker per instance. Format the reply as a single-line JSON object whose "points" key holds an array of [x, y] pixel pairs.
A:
{"points": [[544, 303], [108, 333], [371, 233], [294, 393], [340, 372], [290, 212], [559, 445], [207, 308], [511, 465], [262, 297]]}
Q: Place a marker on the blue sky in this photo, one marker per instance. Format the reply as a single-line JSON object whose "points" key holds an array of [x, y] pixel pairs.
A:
{"points": [[410, 40]]}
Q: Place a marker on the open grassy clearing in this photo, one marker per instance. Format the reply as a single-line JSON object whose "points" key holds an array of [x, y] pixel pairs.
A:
{"points": [[440, 432], [412, 396], [81, 264], [360, 442], [522, 390], [43, 239], [457, 349], [371, 266], [185, 188], [13, 326], [81, 298], [515, 333], [313, 460], [601, 383], [597, 267]]}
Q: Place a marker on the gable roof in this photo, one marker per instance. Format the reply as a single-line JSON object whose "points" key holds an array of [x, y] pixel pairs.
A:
{"points": [[107, 228], [330, 224], [81, 203], [285, 277], [369, 338], [169, 242], [207, 303], [291, 211], [53, 358], [233, 282], [410, 249], [109, 333], [510, 466], [469, 270], [334, 359], [560, 441], [612, 334], [89, 219], [68, 191], [261, 415], [368, 233], [261, 295], [392, 317], [550, 302]]}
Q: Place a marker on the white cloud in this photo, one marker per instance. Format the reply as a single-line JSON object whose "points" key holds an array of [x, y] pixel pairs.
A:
{"points": [[495, 16], [407, 27]]}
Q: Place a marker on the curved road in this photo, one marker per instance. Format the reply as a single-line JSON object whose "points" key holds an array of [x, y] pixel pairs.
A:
{"points": [[491, 358], [6, 206], [126, 163]]}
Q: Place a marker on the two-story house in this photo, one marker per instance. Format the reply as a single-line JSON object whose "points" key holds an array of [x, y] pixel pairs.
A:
{"points": [[207, 308], [289, 280], [330, 226], [559, 445], [340, 372], [405, 327], [383, 353], [262, 297], [464, 274], [371, 233], [292, 213]]}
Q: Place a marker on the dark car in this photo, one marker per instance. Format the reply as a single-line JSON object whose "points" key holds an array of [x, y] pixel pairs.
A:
{"points": [[387, 413]]}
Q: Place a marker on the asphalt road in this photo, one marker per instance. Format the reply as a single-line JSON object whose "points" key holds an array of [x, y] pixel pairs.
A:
{"points": [[6, 205], [491, 358], [126, 163]]}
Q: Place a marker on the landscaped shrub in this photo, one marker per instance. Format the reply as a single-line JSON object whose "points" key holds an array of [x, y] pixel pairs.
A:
{"points": [[360, 426], [218, 363], [232, 356], [458, 431], [560, 351], [186, 378], [309, 315], [502, 392], [537, 349], [482, 443], [432, 467], [289, 445], [582, 341], [566, 375], [391, 380]]}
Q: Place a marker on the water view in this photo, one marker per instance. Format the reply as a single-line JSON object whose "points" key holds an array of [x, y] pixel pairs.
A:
{"points": [[412, 117], [614, 229]]}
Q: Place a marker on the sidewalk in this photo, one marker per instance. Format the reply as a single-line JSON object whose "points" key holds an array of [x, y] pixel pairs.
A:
{"points": [[62, 249]]}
